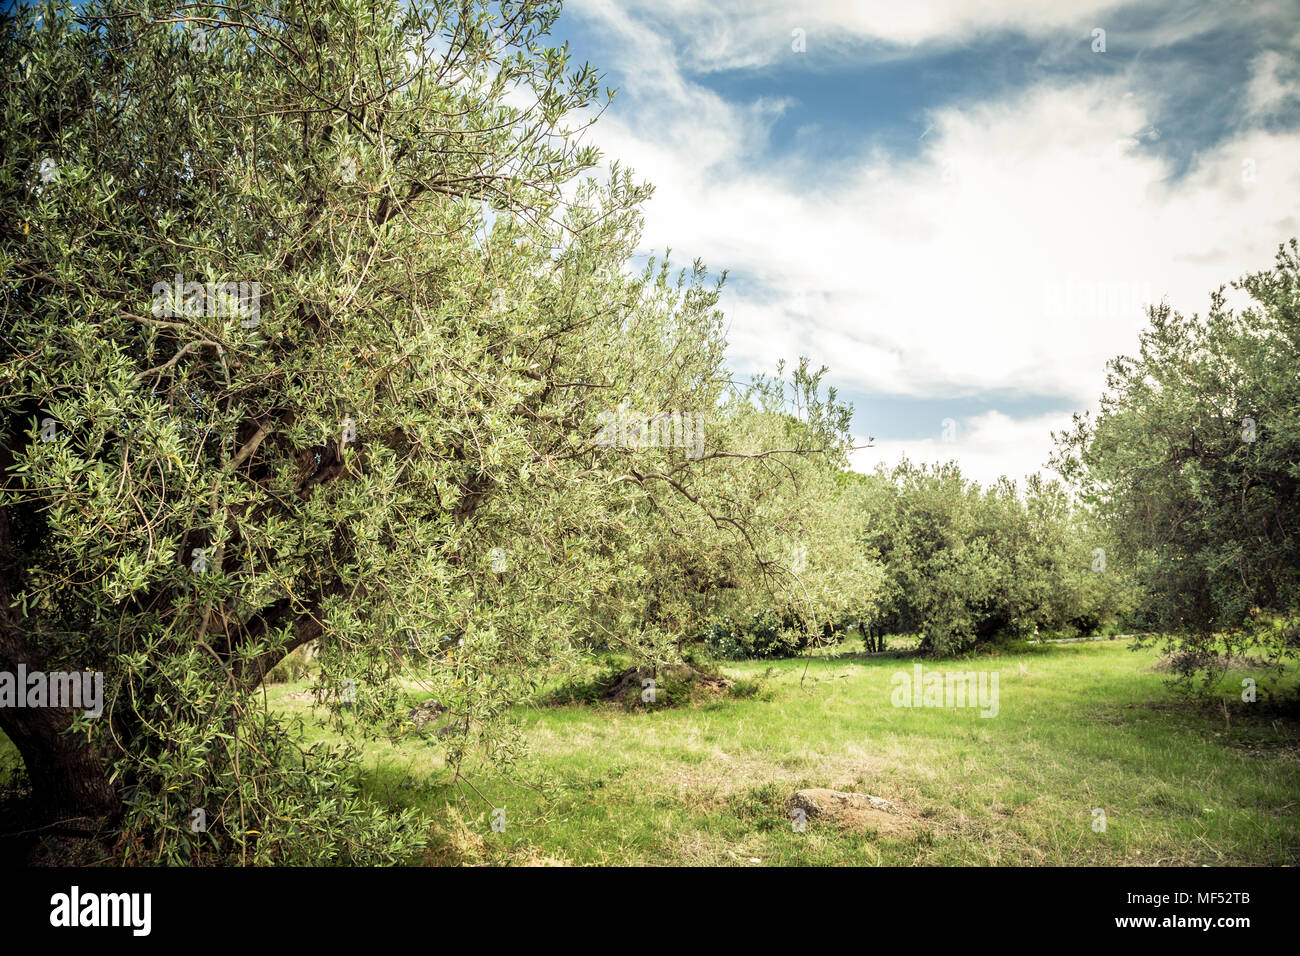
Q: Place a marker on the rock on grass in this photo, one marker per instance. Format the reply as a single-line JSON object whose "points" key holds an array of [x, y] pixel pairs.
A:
{"points": [[851, 810]]}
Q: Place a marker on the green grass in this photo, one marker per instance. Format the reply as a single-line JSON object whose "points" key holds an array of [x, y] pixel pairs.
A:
{"points": [[1079, 727]]}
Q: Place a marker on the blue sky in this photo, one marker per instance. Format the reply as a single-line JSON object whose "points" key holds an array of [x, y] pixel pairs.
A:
{"points": [[960, 207]]}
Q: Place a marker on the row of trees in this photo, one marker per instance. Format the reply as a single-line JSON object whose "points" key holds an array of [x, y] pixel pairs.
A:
{"points": [[966, 565], [921, 550], [1176, 519]]}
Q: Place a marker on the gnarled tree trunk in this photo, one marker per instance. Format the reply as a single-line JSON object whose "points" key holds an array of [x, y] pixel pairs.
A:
{"points": [[71, 793]]}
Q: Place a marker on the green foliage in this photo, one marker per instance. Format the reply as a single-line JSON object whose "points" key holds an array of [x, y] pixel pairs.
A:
{"points": [[966, 565], [761, 635], [294, 667], [1194, 462], [788, 481], [219, 487]]}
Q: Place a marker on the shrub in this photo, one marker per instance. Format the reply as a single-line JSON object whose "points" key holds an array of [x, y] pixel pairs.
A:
{"points": [[764, 635], [294, 667]]}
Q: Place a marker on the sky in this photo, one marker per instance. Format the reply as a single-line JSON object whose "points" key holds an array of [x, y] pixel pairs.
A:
{"points": [[961, 208]]}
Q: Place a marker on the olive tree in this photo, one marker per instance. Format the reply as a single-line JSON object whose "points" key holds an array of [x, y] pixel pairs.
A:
{"points": [[314, 333], [1192, 462], [966, 565]]}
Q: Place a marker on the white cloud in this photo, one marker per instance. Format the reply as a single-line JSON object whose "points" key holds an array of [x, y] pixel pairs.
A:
{"points": [[730, 34], [987, 447], [1016, 251], [1268, 88]]}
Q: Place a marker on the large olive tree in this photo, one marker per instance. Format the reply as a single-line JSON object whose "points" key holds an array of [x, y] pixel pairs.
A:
{"points": [[388, 435]]}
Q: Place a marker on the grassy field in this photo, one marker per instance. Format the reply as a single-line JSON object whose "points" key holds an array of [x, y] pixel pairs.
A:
{"points": [[1080, 727]]}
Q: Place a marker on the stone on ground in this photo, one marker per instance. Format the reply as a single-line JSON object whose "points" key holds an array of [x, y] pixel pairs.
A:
{"points": [[851, 810]]}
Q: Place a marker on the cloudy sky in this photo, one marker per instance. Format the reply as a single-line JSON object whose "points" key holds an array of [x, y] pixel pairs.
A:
{"points": [[962, 207]]}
